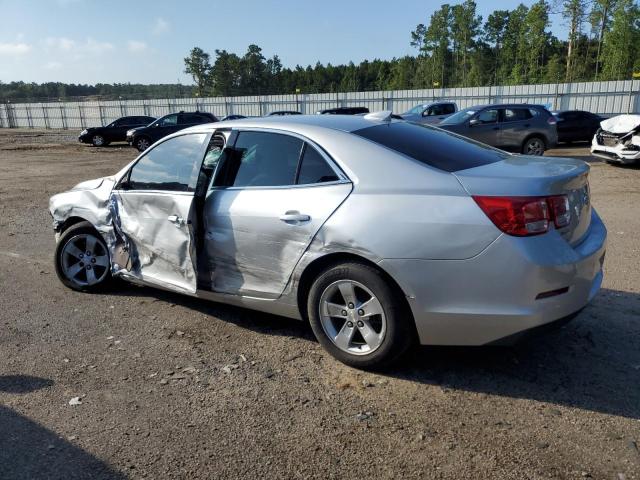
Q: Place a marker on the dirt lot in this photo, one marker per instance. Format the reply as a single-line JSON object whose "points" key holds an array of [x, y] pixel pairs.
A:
{"points": [[158, 402]]}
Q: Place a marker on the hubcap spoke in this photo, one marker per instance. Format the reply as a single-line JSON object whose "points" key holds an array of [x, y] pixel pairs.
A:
{"points": [[348, 292], [91, 243], [369, 334], [335, 310], [74, 270], [102, 261], [74, 251], [371, 307], [91, 276], [344, 336]]}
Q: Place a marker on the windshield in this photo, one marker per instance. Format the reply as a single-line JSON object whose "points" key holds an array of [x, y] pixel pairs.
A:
{"points": [[415, 110], [461, 116]]}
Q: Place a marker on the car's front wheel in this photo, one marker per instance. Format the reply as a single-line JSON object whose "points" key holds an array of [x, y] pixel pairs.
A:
{"points": [[534, 146], [142, 143], [99, 141], [82, 259], [358, 317]]}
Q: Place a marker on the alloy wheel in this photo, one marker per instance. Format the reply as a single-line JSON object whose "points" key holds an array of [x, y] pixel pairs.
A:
{"points": [[535, 146], [85, 260], [142, 144], [352, 317]]}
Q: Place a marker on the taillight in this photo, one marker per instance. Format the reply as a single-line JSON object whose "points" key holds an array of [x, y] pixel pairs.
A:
{"points": [[525, 216]]}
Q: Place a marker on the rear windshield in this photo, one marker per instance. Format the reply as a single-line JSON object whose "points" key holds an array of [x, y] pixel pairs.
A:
{"points": [[432, 146]]}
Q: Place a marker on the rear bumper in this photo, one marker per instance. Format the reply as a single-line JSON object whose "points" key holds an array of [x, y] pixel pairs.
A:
{"points": [[493, 295]]}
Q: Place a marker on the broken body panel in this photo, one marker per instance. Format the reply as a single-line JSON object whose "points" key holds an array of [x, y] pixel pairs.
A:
{"points": [[618, 140]]}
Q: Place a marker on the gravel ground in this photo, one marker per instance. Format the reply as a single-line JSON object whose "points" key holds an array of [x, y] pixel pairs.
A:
{"points": [[171, 387]]}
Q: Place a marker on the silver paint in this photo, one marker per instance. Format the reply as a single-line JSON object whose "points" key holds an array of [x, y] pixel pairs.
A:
{"points": [[465, 282]]}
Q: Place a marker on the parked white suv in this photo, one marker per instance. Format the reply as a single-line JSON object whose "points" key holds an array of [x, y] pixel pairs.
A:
{"points": [[431, 113]]}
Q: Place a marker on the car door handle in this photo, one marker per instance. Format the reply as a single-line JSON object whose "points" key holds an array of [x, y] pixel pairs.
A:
{"points": [[176, 220], [294, 217]]}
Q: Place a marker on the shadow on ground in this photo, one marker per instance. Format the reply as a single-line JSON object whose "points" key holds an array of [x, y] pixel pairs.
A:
{"points": [[30, 451], [593, 363]]}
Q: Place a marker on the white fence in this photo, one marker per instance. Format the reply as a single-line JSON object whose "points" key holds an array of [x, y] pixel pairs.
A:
{"points": [[610, 98]]}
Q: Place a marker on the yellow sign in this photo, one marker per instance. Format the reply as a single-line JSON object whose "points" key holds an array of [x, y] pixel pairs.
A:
{"points": [[297, 90], [636, 74], [436, 84]]}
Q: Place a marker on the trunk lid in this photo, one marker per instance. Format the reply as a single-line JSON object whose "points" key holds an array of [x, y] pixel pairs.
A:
{"points": [[527, 176]]}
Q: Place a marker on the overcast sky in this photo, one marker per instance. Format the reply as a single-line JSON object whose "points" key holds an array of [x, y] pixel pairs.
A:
{"points": [[145, 41]]}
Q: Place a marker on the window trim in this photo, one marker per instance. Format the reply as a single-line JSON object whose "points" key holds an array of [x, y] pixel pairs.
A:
{"points": [[342, 177], [127, 176]]}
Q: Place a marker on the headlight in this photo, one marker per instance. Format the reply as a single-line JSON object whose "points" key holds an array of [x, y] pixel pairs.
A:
{"points": [[129, 133], [84, 132]]}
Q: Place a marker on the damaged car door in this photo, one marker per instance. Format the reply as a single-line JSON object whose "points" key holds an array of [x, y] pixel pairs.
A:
{"points": [[270, 195], [154, 214]]}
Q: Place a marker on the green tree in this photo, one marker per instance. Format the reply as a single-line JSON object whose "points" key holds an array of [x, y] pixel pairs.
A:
{"points": [[621, 44], [198, 65]]}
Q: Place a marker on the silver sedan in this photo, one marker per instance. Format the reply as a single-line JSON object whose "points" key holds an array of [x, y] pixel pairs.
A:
{"points": [[380, 233]]}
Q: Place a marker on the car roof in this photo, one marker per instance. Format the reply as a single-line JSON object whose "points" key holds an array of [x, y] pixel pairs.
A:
{"points": [[506, 105], [295, 123]]}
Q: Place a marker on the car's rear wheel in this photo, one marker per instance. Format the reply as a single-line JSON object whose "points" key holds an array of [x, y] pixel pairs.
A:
{"points": [[98, 141], [82, 259], [142, 143], [534, 146], [358, 317]]}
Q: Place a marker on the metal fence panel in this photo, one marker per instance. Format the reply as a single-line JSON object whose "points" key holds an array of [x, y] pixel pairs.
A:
{"points": [[608, 98]]}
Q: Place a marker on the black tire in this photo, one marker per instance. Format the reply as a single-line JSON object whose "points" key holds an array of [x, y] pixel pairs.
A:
{"points": [[76, 233], [400, 329], [99, 141], [534, 144], [142, 143]]}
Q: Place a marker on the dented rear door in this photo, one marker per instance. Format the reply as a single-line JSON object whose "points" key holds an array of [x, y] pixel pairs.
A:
{"points": [[154, 216]]}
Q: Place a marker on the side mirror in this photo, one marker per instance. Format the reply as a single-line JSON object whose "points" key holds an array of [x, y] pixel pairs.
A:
{"points": [[474, 121], [426, 113]]}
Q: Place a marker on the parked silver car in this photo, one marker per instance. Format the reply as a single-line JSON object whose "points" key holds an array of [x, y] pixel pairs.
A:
{"points": [[431, 113], [379, 232]]}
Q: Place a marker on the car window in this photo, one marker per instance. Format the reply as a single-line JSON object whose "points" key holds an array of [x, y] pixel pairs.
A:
{"points": [[314, 168], [516, 114], [448, 108], [435, 110], [416, 110], [432, 146], [488, 116], [172, 165], [192, 118], [263, 159], [168, 121], [459, 117]]}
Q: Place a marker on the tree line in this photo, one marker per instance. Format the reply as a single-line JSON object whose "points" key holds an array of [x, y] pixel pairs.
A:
{"points": [[455, 47]]}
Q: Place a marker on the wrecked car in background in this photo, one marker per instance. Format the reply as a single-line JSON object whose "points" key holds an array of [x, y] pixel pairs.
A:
{"points": [[618, 139], [379, 232]]}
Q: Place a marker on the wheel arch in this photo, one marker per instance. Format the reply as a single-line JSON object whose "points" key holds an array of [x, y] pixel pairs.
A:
{"points": [[311, 272], [70, 222]]}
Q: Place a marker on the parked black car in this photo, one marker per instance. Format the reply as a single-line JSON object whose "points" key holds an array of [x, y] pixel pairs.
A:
{"points": [[116, 131], [529, 129], [344, 111], [232, 117], [143, 137], [577, 125], [279, 113]]}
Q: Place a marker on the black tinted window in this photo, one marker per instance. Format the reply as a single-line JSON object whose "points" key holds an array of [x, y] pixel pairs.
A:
{"points": [[172, 165], [515, 114], [314, 168], [431, 146], [168, 121], [263, 159], [448, 108]]}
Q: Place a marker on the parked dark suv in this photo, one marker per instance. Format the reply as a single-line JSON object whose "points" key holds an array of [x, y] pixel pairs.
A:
{"points": [[529, 129], [116, 131], [142, 138], [344, 111]]}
